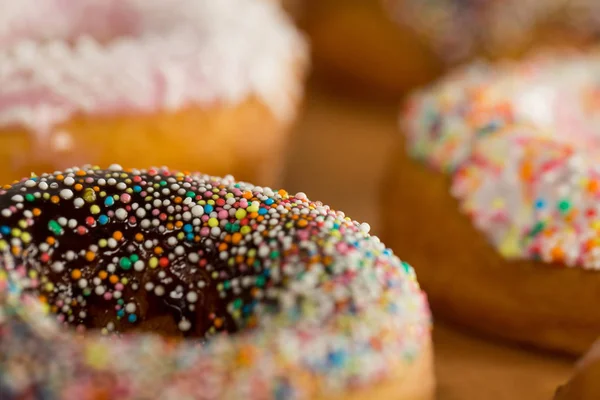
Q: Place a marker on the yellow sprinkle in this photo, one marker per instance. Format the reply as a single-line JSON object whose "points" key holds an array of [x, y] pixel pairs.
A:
{"points": [[95, 209], [244, 230], [153, 262], [213, 222], [26, 237]]}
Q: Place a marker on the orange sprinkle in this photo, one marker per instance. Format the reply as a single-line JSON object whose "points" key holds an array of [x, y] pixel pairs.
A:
{"points": [[80, 173], [177, 200], [526, 171], [223, 247], [139, 237], [50, 240], [113, 279], [178, 224], [253, 215], [55, 199], [237, 237], [37, 212], [282, 193], [118, 235], [16, 251], [78, 187], [218, 322], [158, 250], [557, 253], [247, 195], [302, 223], [59, 177], [76, 274], [102, 275], [90, 255], [593, 186], [239, 259], [170, 226]]}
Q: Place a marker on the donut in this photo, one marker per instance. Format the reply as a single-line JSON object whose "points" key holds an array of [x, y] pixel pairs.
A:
{"points": [[460, 29], [358, 48], [497, 167], [136, 284], [194, 84], [584, 382], [388, 47]]}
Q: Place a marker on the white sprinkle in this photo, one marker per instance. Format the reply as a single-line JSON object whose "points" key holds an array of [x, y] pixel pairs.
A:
{"points": [[66, 194], [17, 198], [366, 228], [69, 181], [130, 308], [192, 297], [197, 211], [78, 202], [159, 290], [115, 167], [30, 183], [58, 266], [184, 325], [139, 265], [121, 214]]}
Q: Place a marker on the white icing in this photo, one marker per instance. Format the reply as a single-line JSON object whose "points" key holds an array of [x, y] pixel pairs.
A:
{"points": [[60, 58]]}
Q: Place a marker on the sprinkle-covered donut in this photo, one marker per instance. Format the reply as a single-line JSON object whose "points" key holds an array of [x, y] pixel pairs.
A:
{"points": [[458, 29], [253, 293], [183, 80], [516, 145]]}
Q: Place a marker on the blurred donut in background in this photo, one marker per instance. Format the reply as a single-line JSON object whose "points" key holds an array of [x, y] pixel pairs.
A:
{"points": [[197, 85], [494, 195], [357, 47], [388, 47], [461, 29]]}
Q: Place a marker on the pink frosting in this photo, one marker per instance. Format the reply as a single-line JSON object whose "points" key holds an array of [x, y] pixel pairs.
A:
{"points": [[63, 57]]}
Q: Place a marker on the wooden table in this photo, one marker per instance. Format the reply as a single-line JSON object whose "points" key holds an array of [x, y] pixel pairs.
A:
{"points": [[337, 154]]}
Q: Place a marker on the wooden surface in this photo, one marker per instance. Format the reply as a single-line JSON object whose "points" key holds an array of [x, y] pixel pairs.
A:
{"points": [[338, 152]]}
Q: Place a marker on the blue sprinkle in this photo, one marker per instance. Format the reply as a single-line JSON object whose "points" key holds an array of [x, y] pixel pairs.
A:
{"points": [[103, 219], [188, 228], [137, 188], [121, 313], [132, 318], [336, 358], [540, 203], [269, 202], [109, 201], [5, 230], [262, 211], [189, 236], [208, 208]]}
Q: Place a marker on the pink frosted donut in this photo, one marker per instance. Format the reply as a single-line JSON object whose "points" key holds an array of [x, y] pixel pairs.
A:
{"points": [[75, 74]]}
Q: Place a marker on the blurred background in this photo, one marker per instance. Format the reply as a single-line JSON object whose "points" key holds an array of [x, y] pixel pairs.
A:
{"points": [[366, 56]]}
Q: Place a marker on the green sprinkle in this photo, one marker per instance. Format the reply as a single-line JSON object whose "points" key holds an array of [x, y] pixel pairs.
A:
{"points": [[55, 227], [125, 263]]}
